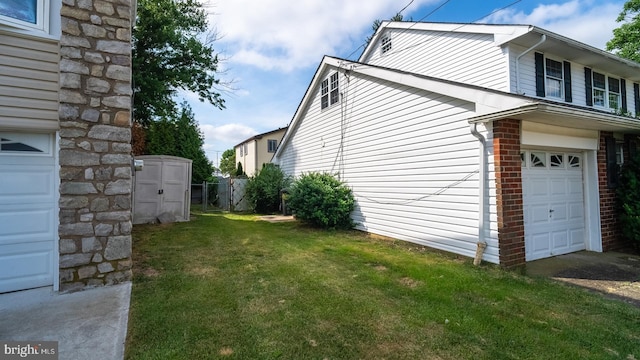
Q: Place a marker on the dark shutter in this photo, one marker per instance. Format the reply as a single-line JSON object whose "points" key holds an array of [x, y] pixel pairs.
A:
{"points": [[612, 167], [540, 75], [588, 87], [623, 94], [632, 146], [636, 98], [567, 82]]}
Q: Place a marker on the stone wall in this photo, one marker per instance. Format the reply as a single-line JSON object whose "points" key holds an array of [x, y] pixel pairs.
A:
{"points": [[95, 143]]}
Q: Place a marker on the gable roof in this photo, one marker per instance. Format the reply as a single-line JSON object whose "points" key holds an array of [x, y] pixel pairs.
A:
{"points": [[525, 36], [260, 136]]}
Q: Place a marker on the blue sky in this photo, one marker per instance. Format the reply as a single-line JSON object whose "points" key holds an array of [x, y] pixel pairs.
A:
{"points": [[271, 48]]}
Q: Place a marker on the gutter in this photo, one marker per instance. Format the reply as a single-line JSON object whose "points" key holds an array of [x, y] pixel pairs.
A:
{"points": [[543, 38], [482, 243]]}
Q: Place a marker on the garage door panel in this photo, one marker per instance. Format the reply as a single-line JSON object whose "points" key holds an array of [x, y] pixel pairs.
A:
{"points": [[538, 187], [560, 239], [25, 266], [577, 238], [576, 211], [558, 212], [26, 185], [539, 214], [13, 230], [558, 187]]}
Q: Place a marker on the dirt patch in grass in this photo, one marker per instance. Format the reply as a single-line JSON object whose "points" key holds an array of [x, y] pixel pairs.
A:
{"points": [[225, 351], [409, 282]]}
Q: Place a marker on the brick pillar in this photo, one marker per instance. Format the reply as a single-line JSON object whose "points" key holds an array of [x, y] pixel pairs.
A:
{"points": [[608, 218], [95, 143], [508, 173]]}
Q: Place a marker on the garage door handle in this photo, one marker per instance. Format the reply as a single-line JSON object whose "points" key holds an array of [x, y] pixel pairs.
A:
{"points": [[161, 191], [551, 210]]}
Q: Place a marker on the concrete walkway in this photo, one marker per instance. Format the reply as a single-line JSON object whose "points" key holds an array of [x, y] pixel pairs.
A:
{"points": [[614, 274], [90, 324]]}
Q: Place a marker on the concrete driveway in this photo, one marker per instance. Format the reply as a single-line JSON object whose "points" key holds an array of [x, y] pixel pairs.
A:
{"points": [[614, 274], [89, 324]]}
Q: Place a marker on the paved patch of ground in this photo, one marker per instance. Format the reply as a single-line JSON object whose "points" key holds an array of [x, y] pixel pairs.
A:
{"points": [[614, 274], [277, 218]]}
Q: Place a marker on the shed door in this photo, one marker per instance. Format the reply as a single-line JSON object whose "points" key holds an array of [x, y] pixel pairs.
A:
{"points": [[28, 211], [553, 203], [163, 185]]}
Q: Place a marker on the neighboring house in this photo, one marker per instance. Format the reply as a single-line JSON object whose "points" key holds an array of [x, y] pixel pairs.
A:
{"points": [[65, 152], [258, 150], [452, 135]]}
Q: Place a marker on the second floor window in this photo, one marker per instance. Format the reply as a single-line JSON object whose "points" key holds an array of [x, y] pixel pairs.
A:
{"points": [[606, 91], [554, 79], [272, 145], [329, 91], [385, 44]]}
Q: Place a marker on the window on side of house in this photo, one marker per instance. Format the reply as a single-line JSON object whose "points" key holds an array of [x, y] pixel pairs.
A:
{"points": [[385, 44], [335, 95], [272, 145], [241, 152], [330, 91], [554, 79], [26, 14], [246, 149], [324, 94]]}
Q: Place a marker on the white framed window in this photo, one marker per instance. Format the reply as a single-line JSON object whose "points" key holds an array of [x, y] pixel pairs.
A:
{"points": [[554, 79], [246, 149], [606, 91], [330, 91], [25, 14], [25, 144], [385, 44], [241, 151], [272, 145]]}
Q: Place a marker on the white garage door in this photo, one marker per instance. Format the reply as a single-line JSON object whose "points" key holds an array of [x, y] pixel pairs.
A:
{"points": [[28, 211], [553, 203]]}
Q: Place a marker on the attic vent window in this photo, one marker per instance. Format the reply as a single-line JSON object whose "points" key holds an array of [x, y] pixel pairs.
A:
{"points": [[386, 44], [329, 93]]}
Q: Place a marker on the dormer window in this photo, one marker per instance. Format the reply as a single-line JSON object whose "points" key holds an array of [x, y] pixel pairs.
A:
{"points": [[329, 91], [385, 45]]}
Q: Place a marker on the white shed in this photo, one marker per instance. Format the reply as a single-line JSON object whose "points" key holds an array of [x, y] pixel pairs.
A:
{"points": [[163, 185]]}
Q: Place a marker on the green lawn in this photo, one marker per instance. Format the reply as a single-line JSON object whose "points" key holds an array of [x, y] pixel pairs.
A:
{"points": [[228, 286]]}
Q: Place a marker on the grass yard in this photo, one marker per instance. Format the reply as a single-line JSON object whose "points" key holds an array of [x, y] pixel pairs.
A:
{"points": [[230, 287]]}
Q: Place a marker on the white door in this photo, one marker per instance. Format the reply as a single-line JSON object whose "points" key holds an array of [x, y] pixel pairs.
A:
{"points": [[163, 185], [28, 211], [553, 203]]}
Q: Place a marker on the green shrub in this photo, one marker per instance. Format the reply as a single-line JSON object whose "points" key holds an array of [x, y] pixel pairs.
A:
{"points": [[628, 195], [263, 189], [322, 200]]}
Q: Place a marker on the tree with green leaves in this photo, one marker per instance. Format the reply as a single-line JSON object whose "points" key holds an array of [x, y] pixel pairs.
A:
{"points": [[376, 25], [626, 38], [181, 137], [228, 162], [172, 50]]}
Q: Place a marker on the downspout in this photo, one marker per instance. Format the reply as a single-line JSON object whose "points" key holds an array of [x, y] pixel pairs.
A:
{"points": [[542, 39], [482, 244]]}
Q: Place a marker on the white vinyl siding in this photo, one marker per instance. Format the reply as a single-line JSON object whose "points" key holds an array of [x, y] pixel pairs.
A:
{"points": [[463, 57], [408, 156], [28, 83]]}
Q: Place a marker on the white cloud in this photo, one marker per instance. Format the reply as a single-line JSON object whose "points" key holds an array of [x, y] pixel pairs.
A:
{"points": [[227, 135], [584, 20], [288, 35]]}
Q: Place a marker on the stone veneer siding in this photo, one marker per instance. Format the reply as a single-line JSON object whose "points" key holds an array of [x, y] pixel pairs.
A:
{"points": [[508, 173], [95, 143]]}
